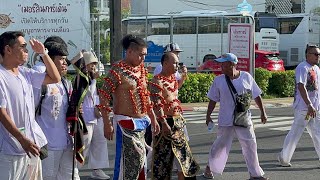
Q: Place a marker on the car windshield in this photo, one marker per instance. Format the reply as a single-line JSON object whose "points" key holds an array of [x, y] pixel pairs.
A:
{"points": [[273, 57]]}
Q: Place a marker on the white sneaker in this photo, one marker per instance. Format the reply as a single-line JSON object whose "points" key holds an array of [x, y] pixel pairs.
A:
{"points": [[99, 174], [283, 164]]}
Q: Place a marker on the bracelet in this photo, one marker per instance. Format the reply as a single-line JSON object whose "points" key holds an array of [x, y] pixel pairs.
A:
{"points": [[44, 53]]}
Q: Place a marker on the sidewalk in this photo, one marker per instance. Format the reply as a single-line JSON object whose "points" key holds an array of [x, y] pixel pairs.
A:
{"points": [[268, 103]]}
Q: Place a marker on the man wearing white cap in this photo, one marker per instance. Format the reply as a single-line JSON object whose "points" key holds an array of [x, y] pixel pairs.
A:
{"points": [[95, 143], [223, 90]]}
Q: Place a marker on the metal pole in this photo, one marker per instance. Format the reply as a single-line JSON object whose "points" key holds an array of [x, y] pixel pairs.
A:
{"points": [[146, 32], [171, 29], [252, 54], [115, 30], [221, 38], [92, 31], [197, 43], [98, 48], [147, 29]]}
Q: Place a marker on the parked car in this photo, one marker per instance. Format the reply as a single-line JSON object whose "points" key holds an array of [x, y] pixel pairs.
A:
{"points": [[269, 60], [263, 59]]}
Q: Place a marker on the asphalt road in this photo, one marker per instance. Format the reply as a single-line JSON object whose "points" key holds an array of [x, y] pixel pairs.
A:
{"points": [[269, 138]]}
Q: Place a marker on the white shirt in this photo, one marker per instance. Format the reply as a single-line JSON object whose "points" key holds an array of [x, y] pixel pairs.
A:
{"points": [[39, 66], [158, 70], [219, 92], [91, 99], [16, 96], [53, 116], [309, 76]]}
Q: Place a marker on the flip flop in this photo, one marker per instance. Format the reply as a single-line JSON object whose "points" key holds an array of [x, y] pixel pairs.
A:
{"points": [[207, 175]]}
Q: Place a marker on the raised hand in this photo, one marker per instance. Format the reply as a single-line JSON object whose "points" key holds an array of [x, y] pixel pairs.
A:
{"points": [[37, 46]]}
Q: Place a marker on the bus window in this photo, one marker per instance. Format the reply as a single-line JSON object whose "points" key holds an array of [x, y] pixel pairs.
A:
{"points": [[289, 25], [209, 25], [159, 26], [136, 27], [227, 20], [266, 20], [184, 25]]}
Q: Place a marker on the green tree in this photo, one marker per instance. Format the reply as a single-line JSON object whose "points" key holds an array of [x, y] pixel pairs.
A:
{"points": [[316, 11], [104, 26]]}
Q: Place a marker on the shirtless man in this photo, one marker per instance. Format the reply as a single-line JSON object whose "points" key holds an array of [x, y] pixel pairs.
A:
{"points": [[171, 146], [127, 83]]}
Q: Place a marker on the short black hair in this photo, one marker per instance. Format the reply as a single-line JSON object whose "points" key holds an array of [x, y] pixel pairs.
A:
{"points": [[209, 56], [165, 57], [9, 38], [131, 41], [310, 46], [57, 39], [56, 49]]}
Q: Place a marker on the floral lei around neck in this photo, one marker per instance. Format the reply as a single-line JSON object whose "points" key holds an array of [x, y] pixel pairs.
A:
{"points": [[141, 90], [167, 81]]}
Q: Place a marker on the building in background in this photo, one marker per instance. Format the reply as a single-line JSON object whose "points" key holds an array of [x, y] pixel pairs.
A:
{"points": [[291, 6], [101, 5]]}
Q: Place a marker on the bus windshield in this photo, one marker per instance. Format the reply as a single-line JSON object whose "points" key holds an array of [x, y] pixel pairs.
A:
{"points": [[266, 20]]}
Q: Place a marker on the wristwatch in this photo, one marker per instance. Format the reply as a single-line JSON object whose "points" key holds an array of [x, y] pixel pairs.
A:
{"points": [[45, 52]]}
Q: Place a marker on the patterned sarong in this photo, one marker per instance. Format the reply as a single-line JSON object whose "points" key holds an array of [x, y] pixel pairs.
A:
{"points": [[165, 148], [130, 147]]}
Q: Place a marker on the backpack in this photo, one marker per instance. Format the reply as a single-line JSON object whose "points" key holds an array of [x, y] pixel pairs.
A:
{"points": [[44, 91]]}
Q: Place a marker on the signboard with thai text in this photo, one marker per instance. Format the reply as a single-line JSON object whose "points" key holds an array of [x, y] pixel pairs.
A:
{"points": [[42, 18], [240, 37]]}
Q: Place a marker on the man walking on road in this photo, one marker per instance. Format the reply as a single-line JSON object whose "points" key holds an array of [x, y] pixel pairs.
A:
{"points": [[171, 146], [126, 84], [220, 91], [306, 106]]}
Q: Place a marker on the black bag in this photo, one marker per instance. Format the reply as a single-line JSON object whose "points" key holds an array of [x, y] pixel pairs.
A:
{"points": [[242, 105], [44, 152]]}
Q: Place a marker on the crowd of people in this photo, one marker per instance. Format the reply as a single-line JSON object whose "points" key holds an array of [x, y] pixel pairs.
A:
{"points": [[50, 126]]}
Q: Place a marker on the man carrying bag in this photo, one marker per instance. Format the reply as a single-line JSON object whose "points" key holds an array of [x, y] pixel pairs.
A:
{"points": [[244, 88]]}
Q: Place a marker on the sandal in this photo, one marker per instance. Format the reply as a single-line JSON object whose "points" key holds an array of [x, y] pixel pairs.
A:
{"points": [[258, 178], [208, 175]]}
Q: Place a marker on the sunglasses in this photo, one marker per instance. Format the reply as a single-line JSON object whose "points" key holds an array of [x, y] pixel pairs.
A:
{"points": [[316, 54]]}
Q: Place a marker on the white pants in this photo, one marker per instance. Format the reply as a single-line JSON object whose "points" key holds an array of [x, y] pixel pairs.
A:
{"points": [[220, 149], [20, 167], [58, 165], [295, 133], [96, 148]]}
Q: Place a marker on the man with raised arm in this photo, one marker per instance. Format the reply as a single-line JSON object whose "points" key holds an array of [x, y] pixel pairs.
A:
{"points": [[21, 138]]}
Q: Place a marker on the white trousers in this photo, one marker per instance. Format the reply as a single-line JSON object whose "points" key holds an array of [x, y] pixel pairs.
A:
{"points": [[298, 126], [220, 149], [20, 167], [96, 148], [58, 165]]}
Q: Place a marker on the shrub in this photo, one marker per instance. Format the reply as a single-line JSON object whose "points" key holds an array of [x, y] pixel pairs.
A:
{"points": [[262, 77], [195, 88], [282, 83]]}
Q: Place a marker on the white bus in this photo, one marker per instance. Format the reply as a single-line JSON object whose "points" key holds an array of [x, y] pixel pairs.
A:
{"points": [[296, 31], [198, 33]]}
